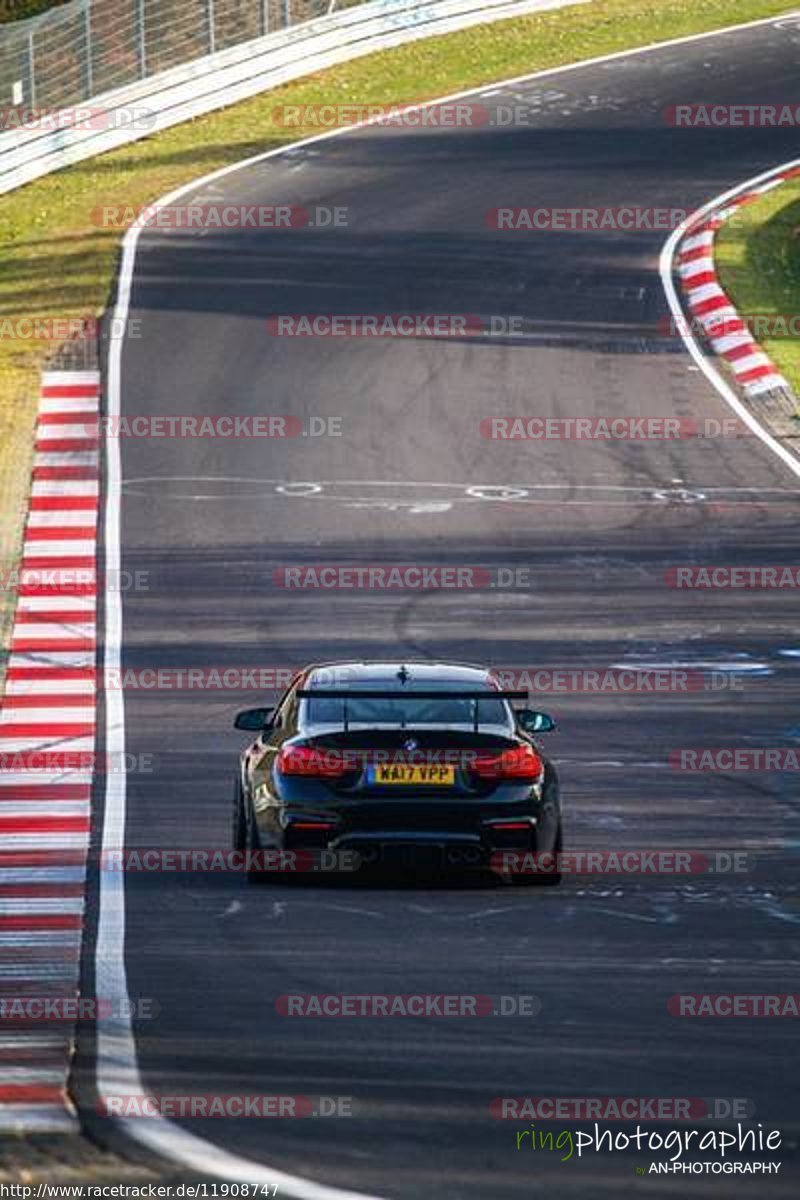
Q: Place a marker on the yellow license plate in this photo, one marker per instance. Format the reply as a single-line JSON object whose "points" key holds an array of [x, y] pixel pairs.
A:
{"points": [[405, 773]]}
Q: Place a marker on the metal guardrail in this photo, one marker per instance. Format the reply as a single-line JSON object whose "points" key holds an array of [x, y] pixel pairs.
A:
{"points": [[57, 135], [71, 53]]}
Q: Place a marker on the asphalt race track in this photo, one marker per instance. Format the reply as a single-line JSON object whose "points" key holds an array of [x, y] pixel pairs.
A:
{"points": [[593, 525]]}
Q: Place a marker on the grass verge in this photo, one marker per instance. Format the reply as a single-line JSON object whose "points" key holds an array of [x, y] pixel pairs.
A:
{"points": [[55, 263], [757, 253]]}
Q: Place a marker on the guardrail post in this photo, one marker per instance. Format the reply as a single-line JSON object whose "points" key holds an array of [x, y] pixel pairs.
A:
{"points": [[287, 15], [89, 72], [31, 69], [212, 39], [265, 17], [142, 40]]}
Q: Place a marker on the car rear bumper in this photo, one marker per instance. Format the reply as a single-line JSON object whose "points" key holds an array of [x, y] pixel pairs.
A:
{"points": [[446, 842], [430, 847]]}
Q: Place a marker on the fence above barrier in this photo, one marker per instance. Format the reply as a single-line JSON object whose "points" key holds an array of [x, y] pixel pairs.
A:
{"points": [[71, 53]]}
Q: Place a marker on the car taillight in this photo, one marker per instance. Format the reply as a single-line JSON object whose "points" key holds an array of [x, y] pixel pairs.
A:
{"points": [[311, 762], [521, 763], [315, 825], [504, 824]]}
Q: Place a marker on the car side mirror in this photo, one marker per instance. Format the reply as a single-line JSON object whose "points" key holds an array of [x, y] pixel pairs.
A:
{"points": [[535, 722], [254, 719]]}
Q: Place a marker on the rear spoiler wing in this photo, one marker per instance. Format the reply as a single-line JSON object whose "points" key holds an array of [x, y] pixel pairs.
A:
{"points": [[346, 694], [397, 694]]}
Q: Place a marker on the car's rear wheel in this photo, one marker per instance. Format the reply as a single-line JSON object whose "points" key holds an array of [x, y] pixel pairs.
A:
{"points": [[239, 834], [544, 878], [252, 848]]}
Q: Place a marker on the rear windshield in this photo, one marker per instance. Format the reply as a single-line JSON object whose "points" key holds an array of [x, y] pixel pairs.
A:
{"points": [[406, 711]]}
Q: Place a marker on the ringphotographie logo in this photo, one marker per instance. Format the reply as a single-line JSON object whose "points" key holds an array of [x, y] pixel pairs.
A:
{"points": [[679, 1142]]}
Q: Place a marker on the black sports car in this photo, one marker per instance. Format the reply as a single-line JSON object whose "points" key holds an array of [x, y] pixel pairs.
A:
{"points": [[406, 764]]}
